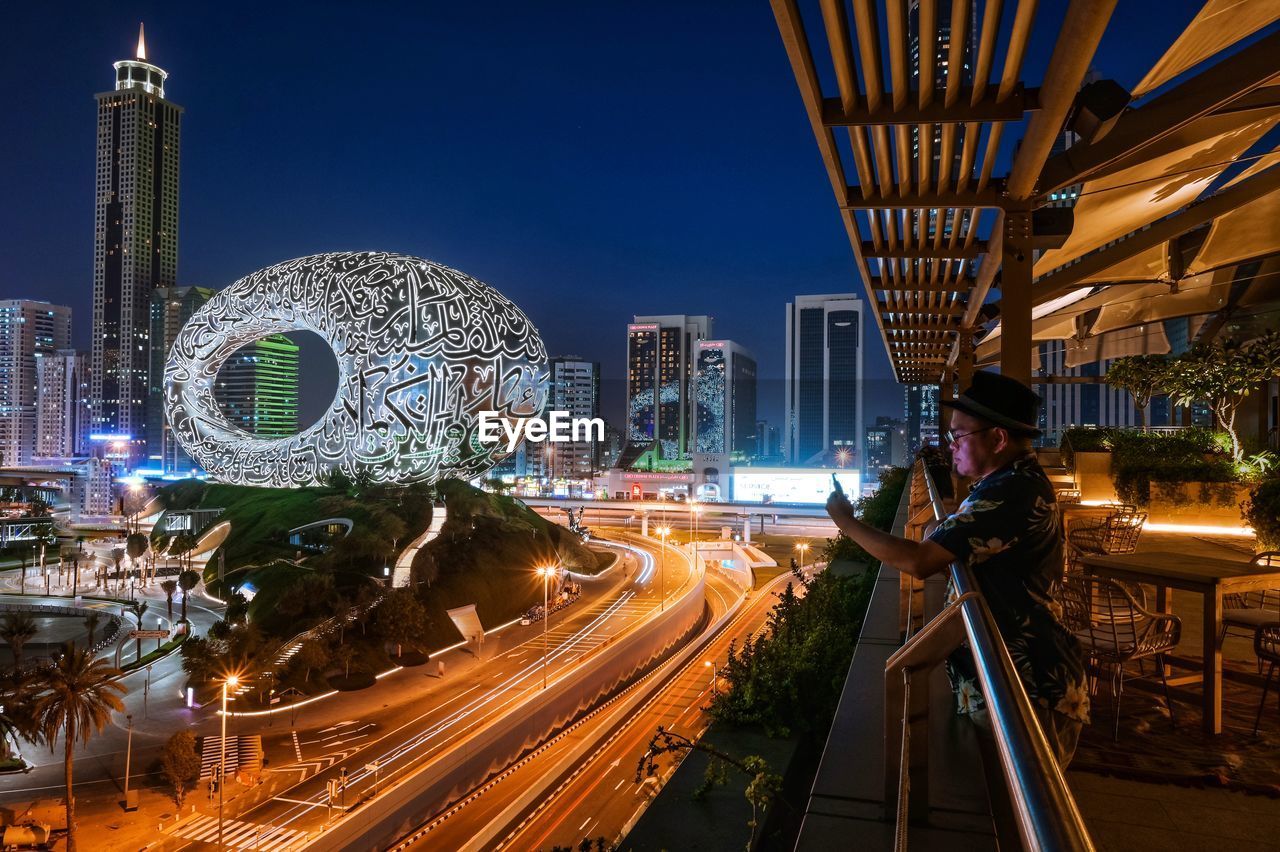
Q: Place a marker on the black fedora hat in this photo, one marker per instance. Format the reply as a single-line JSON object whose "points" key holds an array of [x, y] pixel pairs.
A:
{"points": [[1001, 401]]}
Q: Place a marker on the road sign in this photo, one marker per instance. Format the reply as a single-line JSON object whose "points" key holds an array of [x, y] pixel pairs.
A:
{"points": [[148, 634]]}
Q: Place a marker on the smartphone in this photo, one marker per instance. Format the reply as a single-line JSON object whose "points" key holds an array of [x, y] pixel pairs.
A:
{"points": [[836, 484]]}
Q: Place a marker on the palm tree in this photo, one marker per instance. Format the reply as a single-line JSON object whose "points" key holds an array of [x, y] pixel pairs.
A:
{"points": [[138, 608], [77, 697], [15, 711], [188, 580], [117, 556], [170, 589], [91, 621], [17, 629]]}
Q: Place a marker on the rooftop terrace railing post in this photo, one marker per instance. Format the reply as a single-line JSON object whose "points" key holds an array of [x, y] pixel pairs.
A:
{"points": [[1046, 814]]}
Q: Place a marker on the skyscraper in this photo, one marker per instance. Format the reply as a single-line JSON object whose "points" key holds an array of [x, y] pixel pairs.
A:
{"points": [[62, 405], [920, 410], [257, 388], [135, 242], [29, 331], [660, 370], [170, 308], [823, 380], [726, 400], [575, 388], [886, 447]]}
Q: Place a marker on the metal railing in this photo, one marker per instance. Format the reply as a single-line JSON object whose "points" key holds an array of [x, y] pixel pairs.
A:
{"points": [[1043, 808]]}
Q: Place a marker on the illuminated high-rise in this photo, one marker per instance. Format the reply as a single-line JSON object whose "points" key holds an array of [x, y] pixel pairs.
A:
{"points": [[29, 331], [62, 405], [170, 309], [257, 388], [726, 400], [135, 240], [660, 372], [824, 381]]}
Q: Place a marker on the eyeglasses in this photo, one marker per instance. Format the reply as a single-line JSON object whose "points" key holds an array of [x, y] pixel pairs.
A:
{"points": [[954, 438]]}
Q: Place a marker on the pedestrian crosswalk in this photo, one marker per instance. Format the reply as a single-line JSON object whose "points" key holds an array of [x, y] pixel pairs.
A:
{"points": [[237, 834], [242, 753]]}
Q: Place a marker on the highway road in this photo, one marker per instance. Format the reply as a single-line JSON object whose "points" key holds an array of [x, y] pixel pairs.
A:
{"points": [[599, 795], [432, 713]]}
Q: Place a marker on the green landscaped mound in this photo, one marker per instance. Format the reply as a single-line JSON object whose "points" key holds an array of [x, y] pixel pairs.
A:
{"points": [[291, 593], [486, 554]]}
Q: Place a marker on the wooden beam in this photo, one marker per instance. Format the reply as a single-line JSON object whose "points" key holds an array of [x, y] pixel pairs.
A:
{"points": [[949, 328], [1210, 91], [874, 199], [984, 108], [960, 252], [887, 285]]}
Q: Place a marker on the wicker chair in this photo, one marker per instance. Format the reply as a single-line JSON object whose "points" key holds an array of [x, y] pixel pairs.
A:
{"points": [[1115, 629], [1266, 644], [1067, 495], [1116, 533], [1244, 613]]}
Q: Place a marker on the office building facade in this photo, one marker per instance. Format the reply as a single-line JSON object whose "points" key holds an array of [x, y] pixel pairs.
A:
{"points": [[725, 421], [29, 332], [574, 387], [170, 308], [660, 387], [886, 447], [257, 389], [920, 412], [135, 244], [823, 383], [62, 405]]}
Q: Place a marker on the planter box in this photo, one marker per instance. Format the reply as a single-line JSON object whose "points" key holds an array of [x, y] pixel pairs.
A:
{"points": [[1093, 476], [1197, 503]]}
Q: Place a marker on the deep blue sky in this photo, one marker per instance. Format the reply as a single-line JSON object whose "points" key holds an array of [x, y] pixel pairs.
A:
{"points": [[591, 160]]}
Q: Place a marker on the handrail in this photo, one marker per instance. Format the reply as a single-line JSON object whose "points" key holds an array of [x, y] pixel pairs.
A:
{"points": [[1045, 811]]}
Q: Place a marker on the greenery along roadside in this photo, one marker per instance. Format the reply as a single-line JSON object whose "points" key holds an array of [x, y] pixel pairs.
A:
{"points": [[789, 679]]}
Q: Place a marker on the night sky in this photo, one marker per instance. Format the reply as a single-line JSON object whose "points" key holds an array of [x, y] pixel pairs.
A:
{"points": [[590, 160]]}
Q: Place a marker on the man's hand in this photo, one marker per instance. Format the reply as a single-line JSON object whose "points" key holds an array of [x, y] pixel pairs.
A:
{"points": [[839, 508]]}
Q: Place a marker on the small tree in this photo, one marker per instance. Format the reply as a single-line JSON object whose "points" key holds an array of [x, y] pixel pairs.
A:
{"points": [[117, 556], [136, 546], [312, 654], [1223, 374], [180, 764], [187, 580], [170, 588], [1141, 376], [402, 619], [17, 629], [138, 609]]}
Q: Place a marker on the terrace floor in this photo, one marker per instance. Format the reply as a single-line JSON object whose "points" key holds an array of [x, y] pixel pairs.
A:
{"points": [[1124, 814]]}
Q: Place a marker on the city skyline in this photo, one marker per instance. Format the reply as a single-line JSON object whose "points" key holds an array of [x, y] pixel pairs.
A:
{"points": [[654, 206]]}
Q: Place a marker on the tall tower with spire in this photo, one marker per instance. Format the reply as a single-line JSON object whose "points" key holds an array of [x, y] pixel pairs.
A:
{"points": [[135, 239]]}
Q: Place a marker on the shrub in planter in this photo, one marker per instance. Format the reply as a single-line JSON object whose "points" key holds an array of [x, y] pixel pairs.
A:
{"points": [[1084, 439], [1262, 512]]}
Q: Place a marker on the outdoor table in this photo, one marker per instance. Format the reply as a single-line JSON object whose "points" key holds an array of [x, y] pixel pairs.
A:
{"points": [[1211, 578]]}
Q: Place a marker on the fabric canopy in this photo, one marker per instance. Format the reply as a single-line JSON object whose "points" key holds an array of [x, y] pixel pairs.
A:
{"points": [[1131, 198], [1220, 24]]}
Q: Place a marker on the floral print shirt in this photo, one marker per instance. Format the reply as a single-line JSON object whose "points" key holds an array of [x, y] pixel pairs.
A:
{"points": [[1009, 533]]}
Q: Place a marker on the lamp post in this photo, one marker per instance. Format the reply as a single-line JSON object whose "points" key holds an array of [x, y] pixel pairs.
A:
{"points": [[803, 547], [696, 510], [663, 532], [230, 683], [711, 665], [546, 572], [128, 758]]}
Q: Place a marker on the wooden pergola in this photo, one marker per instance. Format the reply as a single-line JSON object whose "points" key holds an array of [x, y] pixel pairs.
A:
{"points": [[911, 148]]}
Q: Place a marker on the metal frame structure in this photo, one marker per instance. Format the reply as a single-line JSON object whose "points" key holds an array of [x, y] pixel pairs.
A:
{"points": [[923, 146]]}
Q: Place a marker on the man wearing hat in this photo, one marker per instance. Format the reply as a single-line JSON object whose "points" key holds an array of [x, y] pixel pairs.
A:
{"points": [[1007, 530]]}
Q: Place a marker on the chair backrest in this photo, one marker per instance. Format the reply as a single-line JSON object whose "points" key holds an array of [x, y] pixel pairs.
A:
{"points": [[1264, 598], [1068, 495], [1123, 530], [1266, 644], [1103, 614]]}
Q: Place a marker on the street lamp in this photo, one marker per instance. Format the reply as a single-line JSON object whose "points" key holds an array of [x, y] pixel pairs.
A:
{"points": [[663, 532], [546, 572], [695, 509], [803, 547], [711, 665], [231, 682]]}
